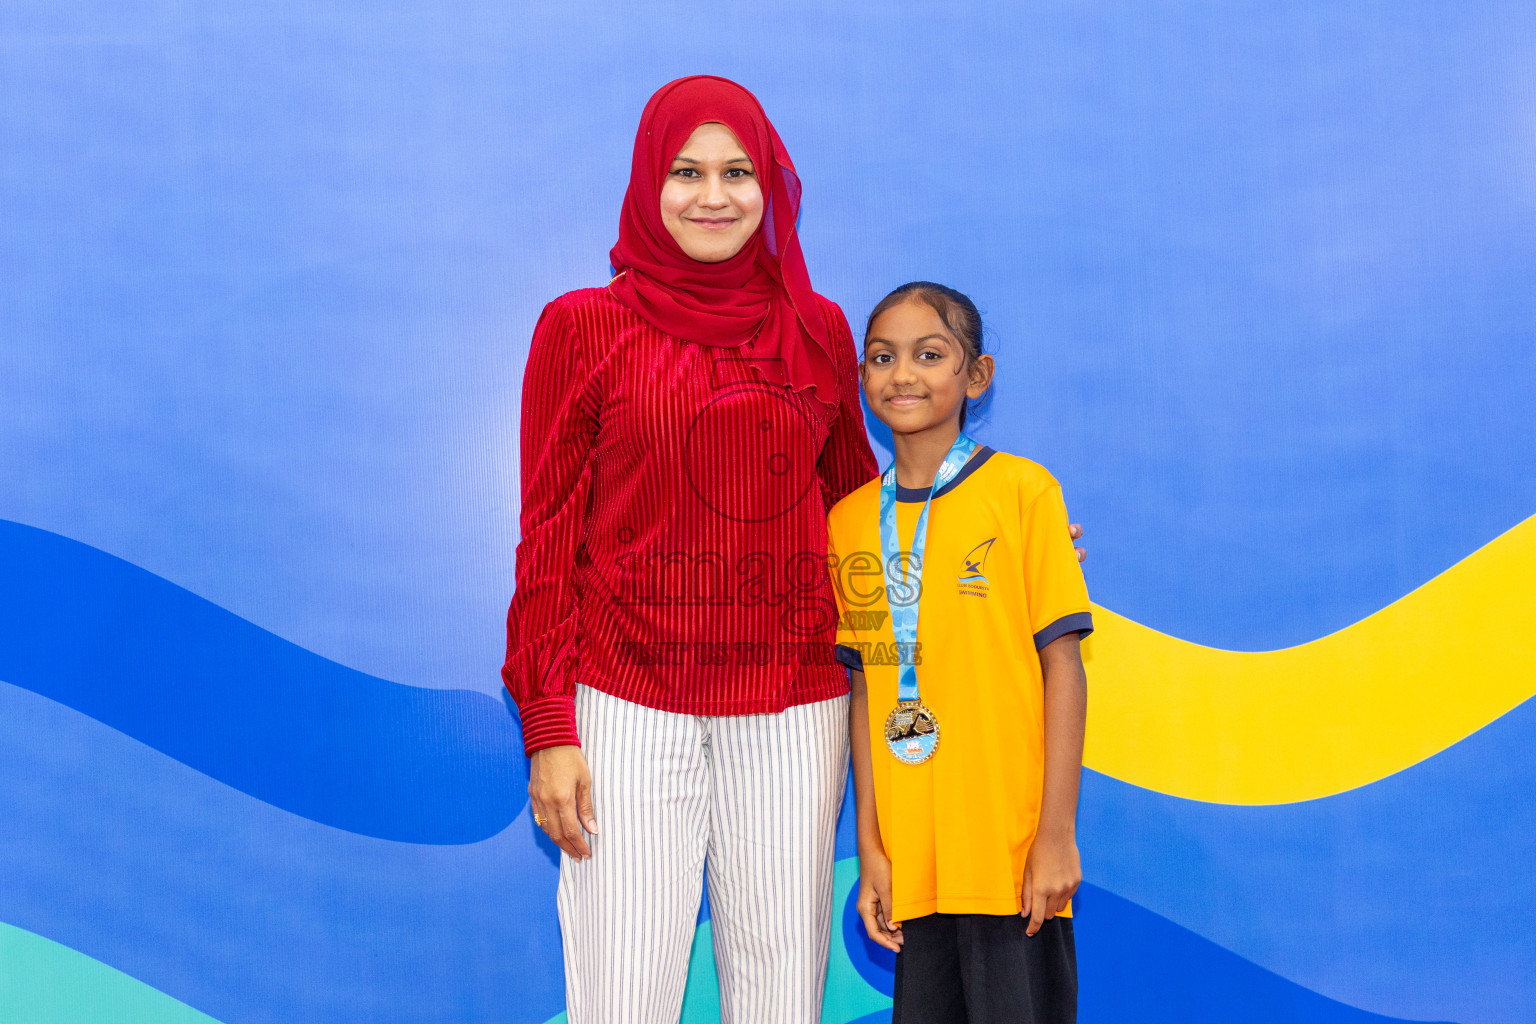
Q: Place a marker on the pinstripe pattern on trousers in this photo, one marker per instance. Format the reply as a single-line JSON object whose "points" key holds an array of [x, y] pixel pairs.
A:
{"points": [[757, 796]]}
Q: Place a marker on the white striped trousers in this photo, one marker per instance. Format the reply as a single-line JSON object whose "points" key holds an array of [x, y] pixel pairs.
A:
{"points": [[759, 794]]}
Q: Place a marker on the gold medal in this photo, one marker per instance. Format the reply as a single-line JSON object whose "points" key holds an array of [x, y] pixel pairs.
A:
{"points": [[911, 732]]}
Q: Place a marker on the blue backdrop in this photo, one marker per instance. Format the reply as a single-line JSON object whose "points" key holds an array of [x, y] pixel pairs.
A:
{"points": [[1259, 281]]}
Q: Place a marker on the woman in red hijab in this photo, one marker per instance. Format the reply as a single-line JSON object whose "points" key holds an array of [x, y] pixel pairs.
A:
{"points": [[670, 641]]}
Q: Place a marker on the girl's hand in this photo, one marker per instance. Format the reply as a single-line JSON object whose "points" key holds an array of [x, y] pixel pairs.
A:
{"points": [[875, 900], [560, 793], [1052, 873]]}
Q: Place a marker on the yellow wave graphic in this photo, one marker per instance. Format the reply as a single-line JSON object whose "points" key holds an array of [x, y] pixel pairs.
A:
{"points": [[1342, 711]]}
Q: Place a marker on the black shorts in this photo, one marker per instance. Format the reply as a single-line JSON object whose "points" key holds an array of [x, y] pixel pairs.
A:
{"points": [[983, 969]]}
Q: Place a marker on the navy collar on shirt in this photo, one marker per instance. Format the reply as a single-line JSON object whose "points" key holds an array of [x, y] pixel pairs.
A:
{"points": [[920, 494]]}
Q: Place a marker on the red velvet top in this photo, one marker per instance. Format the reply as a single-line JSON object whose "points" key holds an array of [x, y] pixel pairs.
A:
{"points": [[674, 511]]}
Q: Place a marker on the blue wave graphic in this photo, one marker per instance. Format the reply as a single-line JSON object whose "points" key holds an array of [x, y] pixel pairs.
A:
{"points": [[251, 914], [1408, 898], [1135, 965], [248, 708], [121, 853], [1411, 896]]}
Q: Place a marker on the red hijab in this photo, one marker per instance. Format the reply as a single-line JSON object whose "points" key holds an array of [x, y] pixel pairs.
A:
{"points": [[759, 300]]}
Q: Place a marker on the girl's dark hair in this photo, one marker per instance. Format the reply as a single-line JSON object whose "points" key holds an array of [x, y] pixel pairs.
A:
{"points": [[955, 308]]}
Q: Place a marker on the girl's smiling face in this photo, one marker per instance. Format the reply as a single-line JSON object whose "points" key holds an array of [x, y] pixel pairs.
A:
{"points": [[917, 375], [711, 201]]}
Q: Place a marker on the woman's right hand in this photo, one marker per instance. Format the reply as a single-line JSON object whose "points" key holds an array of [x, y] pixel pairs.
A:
{"points": [[560, 792], [875, 900]]}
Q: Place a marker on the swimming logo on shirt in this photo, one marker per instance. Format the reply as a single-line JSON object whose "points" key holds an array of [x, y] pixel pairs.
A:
{"points": [[972, 579]]}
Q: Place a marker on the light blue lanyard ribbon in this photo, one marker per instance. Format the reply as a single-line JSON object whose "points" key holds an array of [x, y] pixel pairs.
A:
{"points": [[903, 593]]}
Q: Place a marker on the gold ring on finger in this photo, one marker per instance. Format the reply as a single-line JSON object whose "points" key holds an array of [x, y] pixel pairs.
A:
{"points": [[540, 820]]}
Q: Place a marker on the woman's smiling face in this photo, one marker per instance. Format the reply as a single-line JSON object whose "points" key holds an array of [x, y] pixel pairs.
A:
{"points": [[711, 201]]}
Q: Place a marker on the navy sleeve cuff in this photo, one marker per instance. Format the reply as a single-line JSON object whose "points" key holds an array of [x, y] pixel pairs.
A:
{"points": [[850, 657], [1080, 623]]}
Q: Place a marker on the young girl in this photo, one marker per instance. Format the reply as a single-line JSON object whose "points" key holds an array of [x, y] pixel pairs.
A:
{"points": [[961, 608]]}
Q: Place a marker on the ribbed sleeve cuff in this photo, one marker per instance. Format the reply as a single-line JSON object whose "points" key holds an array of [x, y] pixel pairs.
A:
{"points": [[849, 657], [549, 722], [1080, 623]]}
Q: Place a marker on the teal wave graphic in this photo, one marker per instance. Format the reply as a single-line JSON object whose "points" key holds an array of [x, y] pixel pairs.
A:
{"points": [[1191, 863], [42, 982]]}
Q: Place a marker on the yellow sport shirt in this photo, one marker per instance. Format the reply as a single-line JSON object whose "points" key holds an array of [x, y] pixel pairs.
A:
{"points": [[1000, 581]]}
